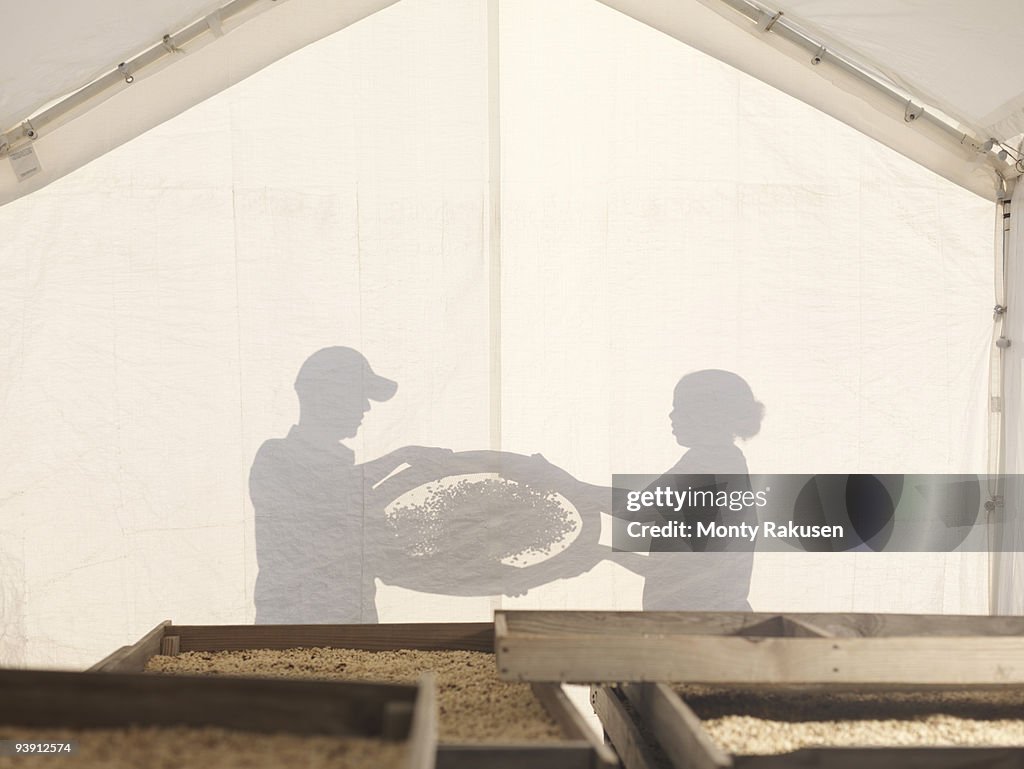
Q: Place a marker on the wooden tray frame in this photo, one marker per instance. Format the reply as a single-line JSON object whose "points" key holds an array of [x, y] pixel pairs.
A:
{"points": [[653, 728], [839, 650], [581, 749], [58, 699]]}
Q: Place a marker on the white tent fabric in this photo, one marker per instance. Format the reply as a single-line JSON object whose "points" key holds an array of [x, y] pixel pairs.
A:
{"points": [[944, 53], [155, 306]]}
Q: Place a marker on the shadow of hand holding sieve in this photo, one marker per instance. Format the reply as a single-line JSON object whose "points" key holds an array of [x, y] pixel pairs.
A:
{"points": [[484, 523]]}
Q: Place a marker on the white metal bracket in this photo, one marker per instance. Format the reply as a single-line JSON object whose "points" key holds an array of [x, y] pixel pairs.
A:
{"points": [[216, 25], [768, 21], [169, 45]]}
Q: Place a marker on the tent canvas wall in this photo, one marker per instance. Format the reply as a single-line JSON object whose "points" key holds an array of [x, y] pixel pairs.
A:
{"points": [[659, 212]]}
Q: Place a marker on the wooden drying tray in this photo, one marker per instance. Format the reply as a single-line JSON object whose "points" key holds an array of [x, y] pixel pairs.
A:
{"points": [[32, 698], [580, 750], [652, 727], [749, 649]]}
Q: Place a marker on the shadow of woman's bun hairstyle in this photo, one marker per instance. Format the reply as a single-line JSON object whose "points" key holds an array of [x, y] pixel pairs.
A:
{"points": [[723, 398]]}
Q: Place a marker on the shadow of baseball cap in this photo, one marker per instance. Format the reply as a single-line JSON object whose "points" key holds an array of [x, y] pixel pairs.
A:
{"points": [[345, 367]]}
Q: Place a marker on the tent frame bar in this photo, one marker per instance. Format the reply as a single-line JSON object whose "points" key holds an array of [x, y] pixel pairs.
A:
{"points": [[775, 21], [122, 76], [944, 129]]}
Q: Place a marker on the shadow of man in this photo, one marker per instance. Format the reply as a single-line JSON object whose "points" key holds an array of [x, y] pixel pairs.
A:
{"points": [[312, 545]]}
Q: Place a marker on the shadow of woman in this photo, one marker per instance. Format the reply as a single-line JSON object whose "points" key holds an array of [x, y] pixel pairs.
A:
{"points": [[711, 410]]}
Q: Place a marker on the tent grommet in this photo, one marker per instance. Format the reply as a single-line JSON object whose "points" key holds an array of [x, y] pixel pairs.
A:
{"points": [[993, 504], [129, 78], [818, 56]]}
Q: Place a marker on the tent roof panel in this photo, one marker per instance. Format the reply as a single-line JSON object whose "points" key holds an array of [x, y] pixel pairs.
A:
{"points": [[714, 27], [965, 58], [50, 48], [962, 62]]}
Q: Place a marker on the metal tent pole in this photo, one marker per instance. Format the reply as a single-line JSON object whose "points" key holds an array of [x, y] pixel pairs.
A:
{"points": [[941, 128]]}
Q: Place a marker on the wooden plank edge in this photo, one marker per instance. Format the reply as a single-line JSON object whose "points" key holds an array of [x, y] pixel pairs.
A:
{"points": [[947, 661], [844, 624], [426, 636], [558, 705], [545, 623], [514, 756], [104, 699], [631, 746], [774, 627], [500, 627], [111, 661], [423, 734], [676, 727], [170, 645], [794, 627], [945, 757], [132, 659]]}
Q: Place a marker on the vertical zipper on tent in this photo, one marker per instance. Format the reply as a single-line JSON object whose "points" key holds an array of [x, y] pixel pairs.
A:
{"points": [[999, 344], [997, 411]]}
